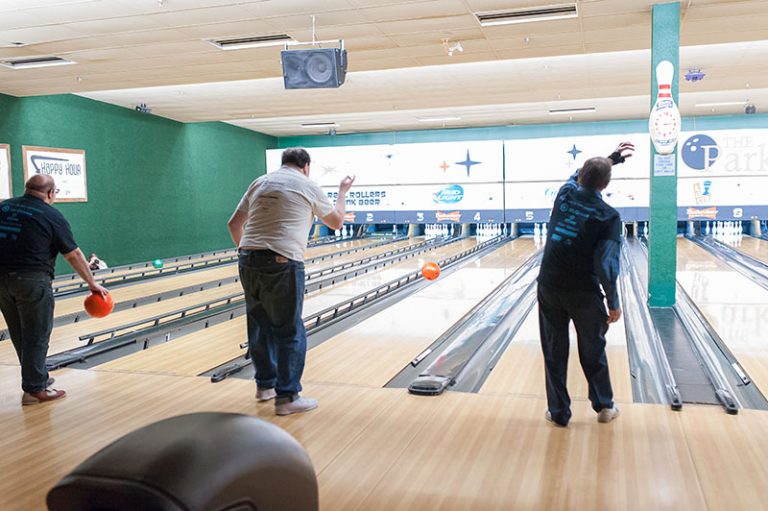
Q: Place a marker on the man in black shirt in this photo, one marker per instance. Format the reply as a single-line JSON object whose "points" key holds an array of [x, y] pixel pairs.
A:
{"points": [[32, 234], [581, 253]]}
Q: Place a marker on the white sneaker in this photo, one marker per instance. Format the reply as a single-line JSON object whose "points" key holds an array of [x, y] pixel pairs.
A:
{"points": [[607, 414], [265, 394], [302, 404]]}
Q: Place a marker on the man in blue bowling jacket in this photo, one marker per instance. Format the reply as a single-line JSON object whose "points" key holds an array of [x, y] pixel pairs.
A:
{"points": [[581, 254]]}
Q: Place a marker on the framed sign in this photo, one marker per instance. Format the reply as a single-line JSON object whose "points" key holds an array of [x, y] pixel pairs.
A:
{"points": [[66, 166], [6, 191]]}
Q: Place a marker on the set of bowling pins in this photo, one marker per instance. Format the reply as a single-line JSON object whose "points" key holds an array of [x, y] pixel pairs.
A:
{"points": [[346, 231], [437, 230], [490, 230], [726, 232], [539, 234]]}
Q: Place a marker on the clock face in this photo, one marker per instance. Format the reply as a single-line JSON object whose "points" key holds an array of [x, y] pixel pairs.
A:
{"points": [[664, 123]]}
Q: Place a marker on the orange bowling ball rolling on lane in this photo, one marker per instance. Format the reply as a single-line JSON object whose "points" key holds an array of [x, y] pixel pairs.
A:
{"points": [[98, 306], [430, 271]]}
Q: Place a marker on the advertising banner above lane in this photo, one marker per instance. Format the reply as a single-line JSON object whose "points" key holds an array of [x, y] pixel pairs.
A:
{"points": [[428, 163]]}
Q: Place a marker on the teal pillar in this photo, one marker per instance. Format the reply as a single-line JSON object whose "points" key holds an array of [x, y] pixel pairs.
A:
{"points": [[662, 242]]}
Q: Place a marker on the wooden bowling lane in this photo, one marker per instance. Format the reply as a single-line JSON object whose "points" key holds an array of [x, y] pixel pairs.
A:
{"points": [[71, 305], [373, 351], [735, 306], [167, 264], [66, 337], [754, 247], [197, 352], [317, 302], [520, 370], [377, 449]]}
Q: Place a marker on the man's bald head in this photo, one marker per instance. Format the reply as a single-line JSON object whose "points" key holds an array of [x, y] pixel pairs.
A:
{"points": [[41, 186]]}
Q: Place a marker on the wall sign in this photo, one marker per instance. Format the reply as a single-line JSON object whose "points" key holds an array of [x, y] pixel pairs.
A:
{"points": [[6, 191], [66, 166]]}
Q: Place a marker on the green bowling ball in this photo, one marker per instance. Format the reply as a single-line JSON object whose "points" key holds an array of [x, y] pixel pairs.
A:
{"points": [[157, 263]]}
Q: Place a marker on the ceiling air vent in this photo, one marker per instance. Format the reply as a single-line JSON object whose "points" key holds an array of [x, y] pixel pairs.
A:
{"points": [[528, 14], [238, 43], [28, 62]]}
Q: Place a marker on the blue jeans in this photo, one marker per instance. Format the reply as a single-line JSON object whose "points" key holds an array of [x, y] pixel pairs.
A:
{"points": [[274, 298], [587, 310], [26, 301]]}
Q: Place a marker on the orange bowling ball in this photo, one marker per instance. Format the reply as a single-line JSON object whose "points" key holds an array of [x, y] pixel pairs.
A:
{"points": [[97, 306], [430, 271]]}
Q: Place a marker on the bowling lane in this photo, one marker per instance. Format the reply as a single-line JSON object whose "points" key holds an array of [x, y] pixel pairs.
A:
{"points": [[373, 351], [199, 351], [520, 371], [316, 302], [66, 337], [150, 287], [755, 247], [168, 264], [736, 307]]}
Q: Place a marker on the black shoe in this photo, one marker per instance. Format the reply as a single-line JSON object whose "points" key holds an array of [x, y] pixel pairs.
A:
{"points": [[548, 416]]}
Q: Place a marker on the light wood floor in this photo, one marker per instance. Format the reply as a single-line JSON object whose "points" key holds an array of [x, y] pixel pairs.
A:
{"points": [[65, 306], [520, 371], [735, 306], [373, 351], [168, 264], [200, 351], [755, 247], [382, 449]]}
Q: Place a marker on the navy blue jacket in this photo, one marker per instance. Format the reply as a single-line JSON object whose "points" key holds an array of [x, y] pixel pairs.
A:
{"points": [[583, 245]]}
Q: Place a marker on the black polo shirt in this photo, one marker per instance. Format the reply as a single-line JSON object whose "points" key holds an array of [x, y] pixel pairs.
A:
{"points": [[32, 234]]}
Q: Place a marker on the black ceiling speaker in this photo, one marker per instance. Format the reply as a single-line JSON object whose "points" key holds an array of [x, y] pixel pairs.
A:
{"points": [[317, 68]]}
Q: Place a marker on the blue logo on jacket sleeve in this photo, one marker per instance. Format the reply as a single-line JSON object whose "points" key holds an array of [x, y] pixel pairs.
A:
{"points": [[449, 195]]}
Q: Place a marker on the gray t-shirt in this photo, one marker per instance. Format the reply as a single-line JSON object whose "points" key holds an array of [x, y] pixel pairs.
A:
{"points": [[280, 208]]}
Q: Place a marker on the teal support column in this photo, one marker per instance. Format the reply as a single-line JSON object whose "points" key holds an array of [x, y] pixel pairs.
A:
{"points": [[662, 243]]}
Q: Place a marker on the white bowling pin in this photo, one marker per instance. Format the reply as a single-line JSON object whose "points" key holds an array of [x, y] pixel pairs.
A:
{"points": [[664, 121]]}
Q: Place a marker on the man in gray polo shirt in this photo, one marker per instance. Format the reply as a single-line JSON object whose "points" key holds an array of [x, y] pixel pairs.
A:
{"points": [[271, 226]]}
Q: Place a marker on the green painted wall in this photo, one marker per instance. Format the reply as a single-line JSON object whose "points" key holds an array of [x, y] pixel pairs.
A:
{"points": [[156, 187]]}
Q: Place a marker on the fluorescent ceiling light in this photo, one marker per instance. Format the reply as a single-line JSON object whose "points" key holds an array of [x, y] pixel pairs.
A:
{"points": [[240, 43], [570, 111], [440, 119], [722, 103], [30, 62], [320, 125], [528, 14]]}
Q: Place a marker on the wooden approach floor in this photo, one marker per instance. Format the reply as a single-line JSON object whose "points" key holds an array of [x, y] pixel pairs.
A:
{"points": [[383, 449], [375, 448]]}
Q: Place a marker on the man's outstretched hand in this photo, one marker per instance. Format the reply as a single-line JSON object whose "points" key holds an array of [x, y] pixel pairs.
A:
{"points": [[624, 151]]}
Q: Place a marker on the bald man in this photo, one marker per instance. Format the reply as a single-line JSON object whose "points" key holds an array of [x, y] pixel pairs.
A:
{"points": [[32, 234]]}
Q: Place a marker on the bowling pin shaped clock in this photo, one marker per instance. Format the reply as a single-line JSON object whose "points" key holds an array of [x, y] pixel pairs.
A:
{"points": [[664, 122]]}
